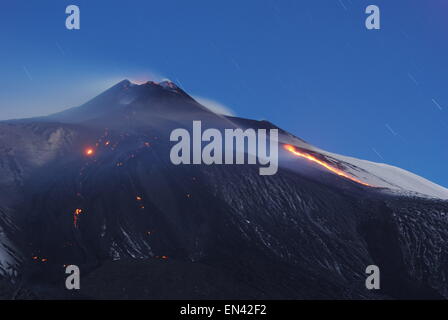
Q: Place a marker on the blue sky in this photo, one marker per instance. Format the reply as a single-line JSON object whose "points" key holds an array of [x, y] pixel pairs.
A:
{"points": [[310, 67]]}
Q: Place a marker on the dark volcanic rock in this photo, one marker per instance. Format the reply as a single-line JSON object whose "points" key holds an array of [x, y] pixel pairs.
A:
{"points": [[150, 230]]}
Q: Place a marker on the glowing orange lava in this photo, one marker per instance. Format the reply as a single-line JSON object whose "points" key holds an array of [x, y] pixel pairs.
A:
{"points": [[89, 152], [312, 158], [75, 216]]}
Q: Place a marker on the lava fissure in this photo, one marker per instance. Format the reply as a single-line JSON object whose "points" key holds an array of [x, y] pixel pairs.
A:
{"points": [[312, 158]]}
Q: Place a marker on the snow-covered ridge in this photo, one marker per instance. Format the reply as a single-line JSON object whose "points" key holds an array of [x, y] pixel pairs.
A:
{"points": [[380, 175], [393, 178]]}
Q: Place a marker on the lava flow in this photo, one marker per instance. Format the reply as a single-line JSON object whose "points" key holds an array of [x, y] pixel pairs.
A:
{"points": [[312, 158]]}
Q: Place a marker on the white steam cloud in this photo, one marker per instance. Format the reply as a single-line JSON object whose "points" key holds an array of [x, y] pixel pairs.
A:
{"points": [[215, 106]]}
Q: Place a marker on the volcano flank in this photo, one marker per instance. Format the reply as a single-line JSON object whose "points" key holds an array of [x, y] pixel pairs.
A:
{"points": [[94, 186]]}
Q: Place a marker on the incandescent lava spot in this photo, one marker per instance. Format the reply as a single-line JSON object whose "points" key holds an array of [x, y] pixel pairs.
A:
{"points": [[312, 158], [76, 216], [89, 152]]}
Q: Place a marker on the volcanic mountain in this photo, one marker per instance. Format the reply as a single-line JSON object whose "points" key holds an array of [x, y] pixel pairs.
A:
{"points": [[94, 186]]}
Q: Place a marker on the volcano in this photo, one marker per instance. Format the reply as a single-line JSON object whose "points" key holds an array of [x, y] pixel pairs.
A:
{"points": [[94, 186]]}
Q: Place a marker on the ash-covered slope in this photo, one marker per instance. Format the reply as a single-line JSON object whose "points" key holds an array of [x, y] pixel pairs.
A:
{"points": [[140, 227]]}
